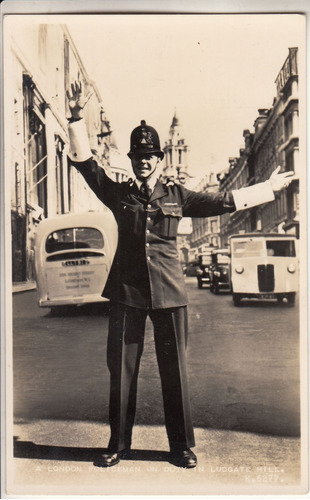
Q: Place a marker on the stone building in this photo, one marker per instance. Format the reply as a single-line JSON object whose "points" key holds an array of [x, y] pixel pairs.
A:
{"points": [[275, 141], [239, 174], [206, 230], [42, 62]]}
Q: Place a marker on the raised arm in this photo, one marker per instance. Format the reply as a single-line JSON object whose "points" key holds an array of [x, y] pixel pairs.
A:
{"points": [[80, 153]]}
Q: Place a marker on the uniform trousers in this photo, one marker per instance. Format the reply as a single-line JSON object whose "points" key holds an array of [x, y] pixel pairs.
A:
{"points": [[124, 350]]}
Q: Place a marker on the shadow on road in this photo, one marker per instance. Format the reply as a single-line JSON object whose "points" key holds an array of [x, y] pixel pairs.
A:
{"points": [[30, 450], [265, 304]]}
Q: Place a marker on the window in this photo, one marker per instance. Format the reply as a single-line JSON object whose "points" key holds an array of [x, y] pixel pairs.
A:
{"points": [[223, 259], [249, 248], [276, 248], [59, 176], [288, 126], [69, 177], [206, 260], [213, 226], [74, 238], [35, 144]]}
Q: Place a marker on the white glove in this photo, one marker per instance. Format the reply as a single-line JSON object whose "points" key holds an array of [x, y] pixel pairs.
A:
{"points": [[280, 181]]}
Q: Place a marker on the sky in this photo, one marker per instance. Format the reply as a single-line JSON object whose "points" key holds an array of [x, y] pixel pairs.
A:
{"points": [[213, 71]]}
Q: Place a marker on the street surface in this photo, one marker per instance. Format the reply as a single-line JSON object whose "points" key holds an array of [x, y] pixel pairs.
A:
{"points": [[243, 366]]}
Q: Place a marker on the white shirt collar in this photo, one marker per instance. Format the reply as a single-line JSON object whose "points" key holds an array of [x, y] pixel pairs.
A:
{"points": [[150, 182]]}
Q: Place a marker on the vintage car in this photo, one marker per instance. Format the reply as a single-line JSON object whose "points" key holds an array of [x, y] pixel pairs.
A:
{"points": [[264, 266], [202, 273], [219, 270], [73, 257]]}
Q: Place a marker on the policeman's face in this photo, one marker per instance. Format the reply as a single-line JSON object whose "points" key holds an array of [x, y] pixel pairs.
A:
{"points": [[144, 165]]}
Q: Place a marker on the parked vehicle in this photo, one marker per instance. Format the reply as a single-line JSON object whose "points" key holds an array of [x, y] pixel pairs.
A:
{"points": [[219, 270], [204, 262], [73, 257], [264, 266], [191, 268]]}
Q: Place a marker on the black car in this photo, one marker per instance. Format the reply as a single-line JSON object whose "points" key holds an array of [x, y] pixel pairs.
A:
{"points": [[202, 273], [219, 271]]}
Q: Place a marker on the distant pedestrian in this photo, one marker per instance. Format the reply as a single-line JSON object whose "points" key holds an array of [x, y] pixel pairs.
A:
{"points": [[146, 278]]}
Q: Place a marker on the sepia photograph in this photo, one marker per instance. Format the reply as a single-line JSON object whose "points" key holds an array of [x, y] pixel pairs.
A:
{"points": [[154, 340]]}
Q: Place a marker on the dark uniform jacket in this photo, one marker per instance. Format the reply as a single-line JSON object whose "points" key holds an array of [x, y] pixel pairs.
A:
{"points": [[146, 272]]}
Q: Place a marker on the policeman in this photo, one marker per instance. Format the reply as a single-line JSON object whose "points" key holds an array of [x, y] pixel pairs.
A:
{"points": [[146, 278]]}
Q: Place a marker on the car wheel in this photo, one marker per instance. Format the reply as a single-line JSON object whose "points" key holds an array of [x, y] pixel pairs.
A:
{"points": [[237, 299], [291, 298]]}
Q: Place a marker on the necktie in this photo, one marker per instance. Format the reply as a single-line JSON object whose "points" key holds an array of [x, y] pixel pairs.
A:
{"points": [[146, 190]]}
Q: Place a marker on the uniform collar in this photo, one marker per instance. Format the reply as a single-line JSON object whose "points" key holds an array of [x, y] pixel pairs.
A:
{"points": [[150, 182]]}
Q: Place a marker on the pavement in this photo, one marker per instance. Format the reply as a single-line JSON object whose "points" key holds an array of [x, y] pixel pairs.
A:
{"points": [[23, 286], [55, 457]]}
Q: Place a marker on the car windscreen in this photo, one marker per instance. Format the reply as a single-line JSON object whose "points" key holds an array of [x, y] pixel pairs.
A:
{"points": [[222, 259], [252, 247], [206, 260], [281, 248], [73, 238]]}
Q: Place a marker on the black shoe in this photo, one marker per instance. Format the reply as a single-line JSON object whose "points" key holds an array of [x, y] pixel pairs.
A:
{"points": [[108, 459], [183, 458]]}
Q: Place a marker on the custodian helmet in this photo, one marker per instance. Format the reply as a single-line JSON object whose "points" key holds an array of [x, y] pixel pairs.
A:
{"points": [[145, 139]]}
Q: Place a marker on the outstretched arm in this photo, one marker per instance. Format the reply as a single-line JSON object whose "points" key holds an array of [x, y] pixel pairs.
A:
{"points": [[206, 204], [262, 192]]}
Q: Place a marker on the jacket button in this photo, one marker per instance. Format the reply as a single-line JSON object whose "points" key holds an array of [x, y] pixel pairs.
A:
{"points": [[148, 258], [148, 218], [149, 206], [148, 231], [147, 244]]}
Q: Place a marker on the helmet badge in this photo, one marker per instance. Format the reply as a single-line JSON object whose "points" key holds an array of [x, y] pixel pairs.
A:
{"points": [[145, 137]]}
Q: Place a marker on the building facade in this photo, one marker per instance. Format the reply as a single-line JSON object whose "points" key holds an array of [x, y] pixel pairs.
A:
{"points": [[275, 141], [206, 230], [43, 63], [239, 174]]}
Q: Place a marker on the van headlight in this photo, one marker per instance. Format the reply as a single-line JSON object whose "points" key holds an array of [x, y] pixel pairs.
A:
{"points": [[239, 269], [291, 268]]}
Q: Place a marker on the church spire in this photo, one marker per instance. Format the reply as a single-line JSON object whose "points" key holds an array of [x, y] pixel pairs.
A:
{"points": [[176, 151], [175, 120]]}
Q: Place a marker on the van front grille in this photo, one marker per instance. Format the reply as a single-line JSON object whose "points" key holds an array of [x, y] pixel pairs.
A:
{"points": [[265, 275]]}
